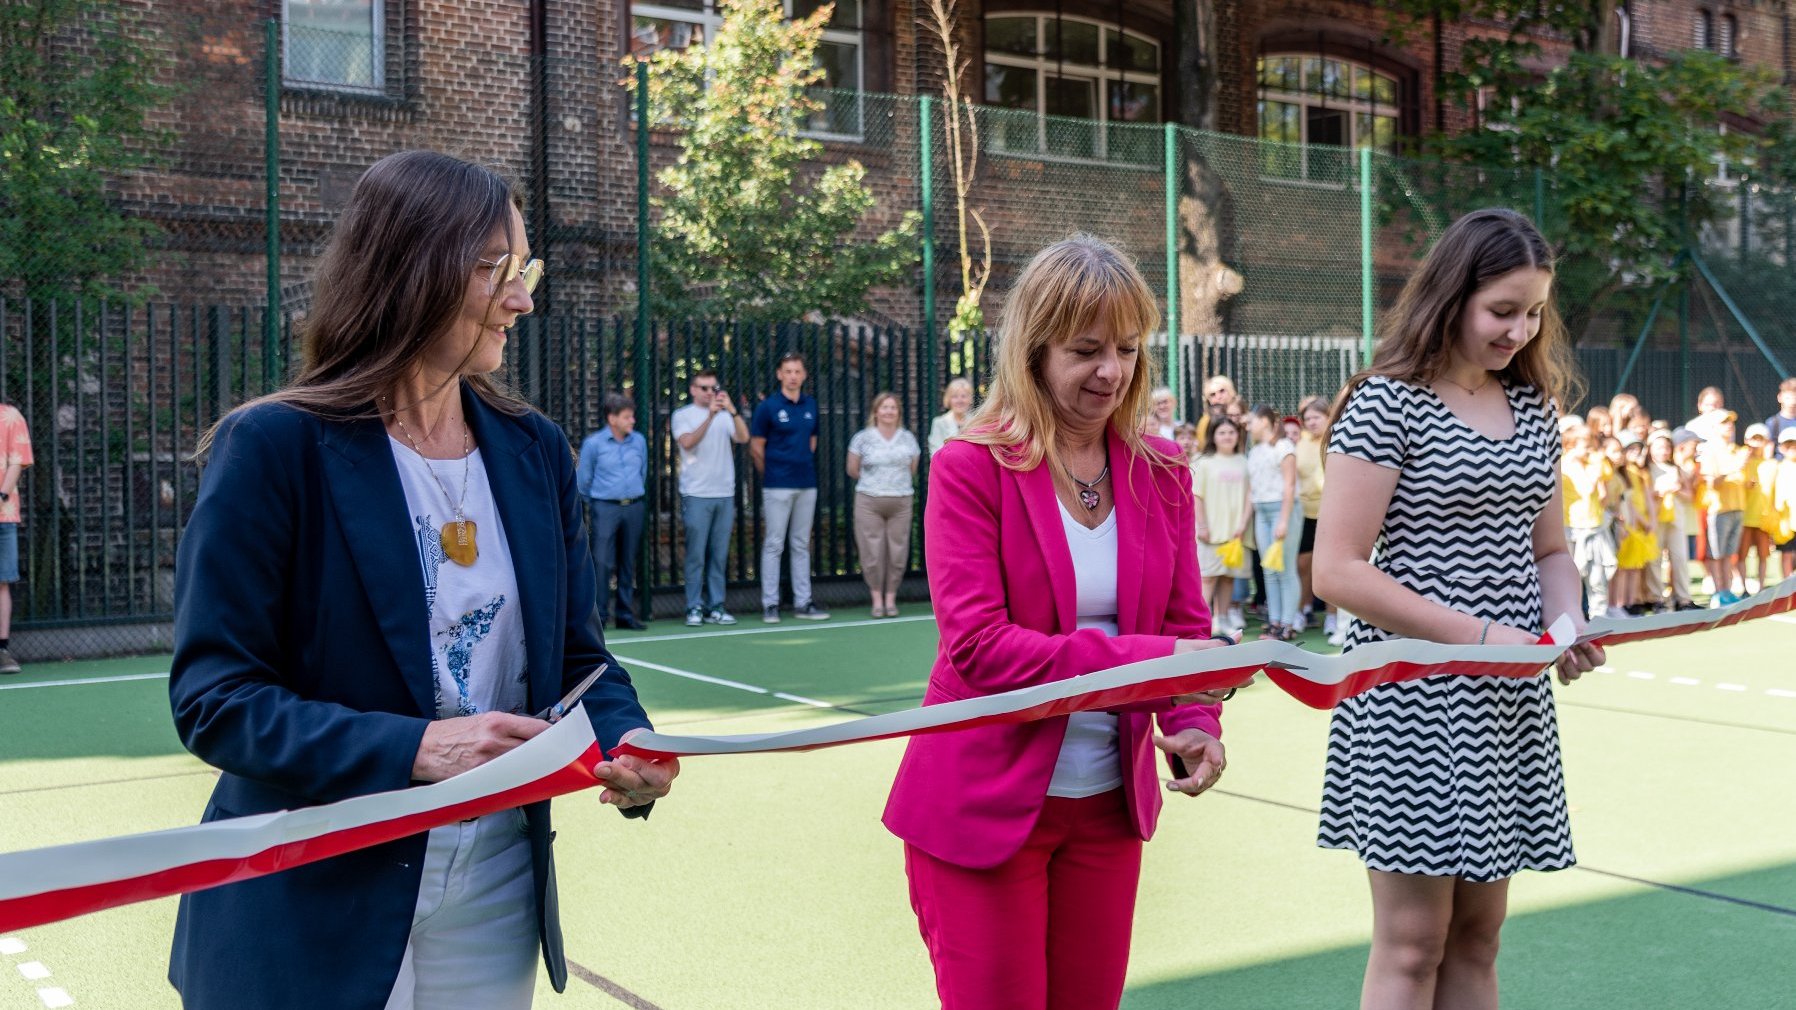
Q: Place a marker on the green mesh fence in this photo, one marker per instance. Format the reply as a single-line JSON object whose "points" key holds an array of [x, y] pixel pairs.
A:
{"points": [[1272, 253]]}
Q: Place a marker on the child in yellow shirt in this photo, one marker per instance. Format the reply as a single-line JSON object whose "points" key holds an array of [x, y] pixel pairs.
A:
{"points": [[1760, 475], [1636, 528], [1585, 479], [1783, 501], [1722, 466]]}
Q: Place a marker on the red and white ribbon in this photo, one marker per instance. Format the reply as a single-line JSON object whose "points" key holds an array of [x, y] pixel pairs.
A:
{"points": [[61, 882]]}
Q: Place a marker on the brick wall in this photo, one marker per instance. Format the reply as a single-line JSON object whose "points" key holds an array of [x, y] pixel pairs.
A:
{"points": [[459, 79]]}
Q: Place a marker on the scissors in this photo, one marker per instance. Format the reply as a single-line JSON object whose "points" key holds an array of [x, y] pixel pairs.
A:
{"points": [[568, 701]]}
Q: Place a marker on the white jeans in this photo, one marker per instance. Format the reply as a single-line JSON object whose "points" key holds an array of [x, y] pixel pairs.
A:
{"points": [[474, 942], [788, 513]]}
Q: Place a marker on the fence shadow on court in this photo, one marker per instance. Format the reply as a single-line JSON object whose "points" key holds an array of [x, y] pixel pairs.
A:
{"points": [[1653, 949]]}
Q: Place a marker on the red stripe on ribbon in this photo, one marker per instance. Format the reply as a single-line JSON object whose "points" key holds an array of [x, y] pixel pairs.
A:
{"points": [[52, 906]]}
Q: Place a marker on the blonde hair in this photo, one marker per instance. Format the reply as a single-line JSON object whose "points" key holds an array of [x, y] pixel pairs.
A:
{"points": [[1065, 290], [879, 398], [958, 382]]}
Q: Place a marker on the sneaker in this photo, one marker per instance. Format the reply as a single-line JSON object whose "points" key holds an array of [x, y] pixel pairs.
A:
{"points": [[695, 618], [1615, 612], [1727, 597], [7, 663], [1302, 623], [1328, 626], [810, 612], [1236, 620], [720, 616], [770, 614], [1338, 638]]}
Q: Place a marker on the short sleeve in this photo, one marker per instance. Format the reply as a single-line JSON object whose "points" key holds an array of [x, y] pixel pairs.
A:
{"points": [[18, 439], [1374, 424], [910, 440], [858, 444], [760, 425], [685, 422]]}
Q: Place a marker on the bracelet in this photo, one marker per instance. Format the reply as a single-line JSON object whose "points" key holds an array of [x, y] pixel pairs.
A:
{"points": [[1483, 630], [1226, 640]]}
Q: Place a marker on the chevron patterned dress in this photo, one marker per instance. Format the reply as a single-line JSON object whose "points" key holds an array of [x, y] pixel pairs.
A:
{"points": [[1452, 776]]}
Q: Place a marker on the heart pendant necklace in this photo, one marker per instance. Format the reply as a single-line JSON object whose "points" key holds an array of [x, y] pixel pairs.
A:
{"points": [[457, 535], [1088, 495]]}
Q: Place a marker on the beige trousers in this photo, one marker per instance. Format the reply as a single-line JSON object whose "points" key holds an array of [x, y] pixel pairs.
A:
{"points": [[882, 532]]}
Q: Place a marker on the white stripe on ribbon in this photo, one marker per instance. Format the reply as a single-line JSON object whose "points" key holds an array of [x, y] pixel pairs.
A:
{"points": [[47, 885], [60, 882]]}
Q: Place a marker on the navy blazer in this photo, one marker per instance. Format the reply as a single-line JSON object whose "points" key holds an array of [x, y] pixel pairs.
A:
{"points": [[302, 671]]}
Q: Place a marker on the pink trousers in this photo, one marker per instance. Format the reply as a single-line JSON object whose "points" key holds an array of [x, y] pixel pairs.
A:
{"points": [[1047, 929]]}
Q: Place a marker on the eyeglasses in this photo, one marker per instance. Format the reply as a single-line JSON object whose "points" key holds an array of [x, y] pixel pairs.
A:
{"points": [[710, 387], [510, 267]]}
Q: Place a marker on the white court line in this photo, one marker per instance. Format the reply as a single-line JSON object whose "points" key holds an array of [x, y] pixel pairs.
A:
{"points": [[1640, 675], [11, 945], [721, 682], [1778, 692], [1605, 669], [34, 970], [1784, 618], [771, 629], [1686, 681], [55, 997], [86, 680], [1730, 687]]}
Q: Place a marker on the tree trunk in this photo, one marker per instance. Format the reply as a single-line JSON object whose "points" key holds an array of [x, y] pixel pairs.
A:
{"points": [[1204, 207]]}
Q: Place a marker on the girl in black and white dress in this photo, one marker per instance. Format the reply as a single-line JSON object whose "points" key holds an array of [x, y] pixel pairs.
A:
{"points": [[1443, 468]]}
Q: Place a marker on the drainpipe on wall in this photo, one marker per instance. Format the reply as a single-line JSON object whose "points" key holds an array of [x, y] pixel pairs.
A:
{"points": [[539, 139], [1627, 24]]}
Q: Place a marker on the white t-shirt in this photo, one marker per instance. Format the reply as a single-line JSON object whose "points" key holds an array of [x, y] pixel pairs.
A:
{"points": [[708, 469], [1265, 475], [476, 624], [1088, 763]]}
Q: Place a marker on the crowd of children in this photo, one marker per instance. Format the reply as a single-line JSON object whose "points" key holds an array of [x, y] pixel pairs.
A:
{"points": [[1643, 500]]}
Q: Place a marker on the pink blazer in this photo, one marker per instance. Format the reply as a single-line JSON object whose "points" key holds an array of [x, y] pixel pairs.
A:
{"points": [[1001, 580]]}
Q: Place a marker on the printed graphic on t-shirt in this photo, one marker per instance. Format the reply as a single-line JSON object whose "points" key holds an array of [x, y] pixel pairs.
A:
{"points": [[458, 651], [430, 553]]}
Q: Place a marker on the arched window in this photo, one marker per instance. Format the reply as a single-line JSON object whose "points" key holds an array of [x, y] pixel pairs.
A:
{"points": [[676, 24], [1730, 30], [1309, 101], [1703, 29], [1045, 65]]}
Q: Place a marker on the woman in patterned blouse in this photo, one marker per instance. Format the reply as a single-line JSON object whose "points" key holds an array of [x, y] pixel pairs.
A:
{"points": [[882, 459]]}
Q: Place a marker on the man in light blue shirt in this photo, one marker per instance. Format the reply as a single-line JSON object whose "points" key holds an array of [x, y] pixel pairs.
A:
{"points": [[613, 475]]}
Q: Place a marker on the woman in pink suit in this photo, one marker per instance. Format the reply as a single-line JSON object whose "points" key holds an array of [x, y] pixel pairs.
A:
{"points": [[1061, 541]]}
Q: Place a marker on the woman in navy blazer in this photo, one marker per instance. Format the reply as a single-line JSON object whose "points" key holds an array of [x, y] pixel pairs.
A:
{"points": [[304, 664]]}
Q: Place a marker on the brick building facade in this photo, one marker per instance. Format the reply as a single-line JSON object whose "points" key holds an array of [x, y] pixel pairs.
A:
{"points": [[461, 76]]}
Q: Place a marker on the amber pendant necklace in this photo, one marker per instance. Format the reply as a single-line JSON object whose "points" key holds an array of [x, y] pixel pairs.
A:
{"points": [[458, 534]]}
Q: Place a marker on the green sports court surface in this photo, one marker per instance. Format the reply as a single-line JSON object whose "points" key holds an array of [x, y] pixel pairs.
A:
{"points": [[768, 882]]}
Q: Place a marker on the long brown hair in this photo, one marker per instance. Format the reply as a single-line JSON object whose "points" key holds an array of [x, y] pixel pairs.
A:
{"points": [[392, 279], [1064, 290], [1474, 251]]}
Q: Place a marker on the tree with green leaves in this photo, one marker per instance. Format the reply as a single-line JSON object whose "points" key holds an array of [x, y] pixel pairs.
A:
{"points": [[749, 226], [1624, 146], [77, 88]]}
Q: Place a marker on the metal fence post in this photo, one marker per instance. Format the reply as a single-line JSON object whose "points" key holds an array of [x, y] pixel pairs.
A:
{"points": [[1365, 254], [271, 157], [1171, 185], [646, 553], [926, 177]]}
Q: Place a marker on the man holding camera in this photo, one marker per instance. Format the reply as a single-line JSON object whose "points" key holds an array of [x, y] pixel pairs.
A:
{"points": [[707, 493]]}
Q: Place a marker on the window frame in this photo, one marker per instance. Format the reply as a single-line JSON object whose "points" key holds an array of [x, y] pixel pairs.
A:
{"points": [[708, 20], [377, 57], [1304, 100], [1102, 74]]}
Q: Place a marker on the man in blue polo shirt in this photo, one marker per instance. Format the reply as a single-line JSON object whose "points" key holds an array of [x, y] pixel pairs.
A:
{"points": [[783, 442], [613, 474]]}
